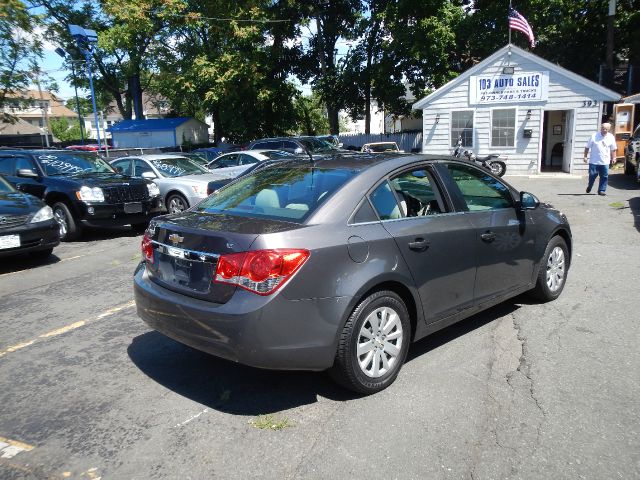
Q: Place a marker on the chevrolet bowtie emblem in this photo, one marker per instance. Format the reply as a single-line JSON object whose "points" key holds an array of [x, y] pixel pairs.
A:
{"points": [[175, 238]]}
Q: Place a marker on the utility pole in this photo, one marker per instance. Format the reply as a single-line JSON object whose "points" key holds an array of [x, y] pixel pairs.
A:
{"points": [[44, 107], [610, 28]]}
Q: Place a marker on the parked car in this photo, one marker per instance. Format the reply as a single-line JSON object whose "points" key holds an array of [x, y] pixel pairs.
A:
{"points": [[81, 188], [632, 155], [198, 158], [297, 145], [233, 164], [210, 153], [91, 147], [26, 224], [332, 139], [340, 263], [182, 183], [379, 147], [216, 185]]}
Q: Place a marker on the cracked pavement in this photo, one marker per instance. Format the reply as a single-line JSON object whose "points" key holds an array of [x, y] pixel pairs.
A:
{"points": [[521, 391]]}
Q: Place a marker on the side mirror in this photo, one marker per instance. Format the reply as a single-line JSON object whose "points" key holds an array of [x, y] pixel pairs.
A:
{"points": [[119, 169], [27, 173], [148, 175], [528, 201], [299, 151]]}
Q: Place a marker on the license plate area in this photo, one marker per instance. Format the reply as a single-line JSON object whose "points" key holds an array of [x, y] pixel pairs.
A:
{"points": [[9, 241], [192, 275], [133, 207]]}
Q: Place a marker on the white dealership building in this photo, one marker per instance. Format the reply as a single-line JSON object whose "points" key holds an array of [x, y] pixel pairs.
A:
{"points": [[515, 103]]}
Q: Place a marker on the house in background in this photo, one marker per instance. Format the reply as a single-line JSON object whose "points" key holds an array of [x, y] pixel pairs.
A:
{"points": [[158, 132], [21, 133], [36, 107]]}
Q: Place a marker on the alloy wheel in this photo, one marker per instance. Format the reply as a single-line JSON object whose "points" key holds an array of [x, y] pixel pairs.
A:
{"points": [[61, 218], [379, 342], [177, 205], [555, 269]]}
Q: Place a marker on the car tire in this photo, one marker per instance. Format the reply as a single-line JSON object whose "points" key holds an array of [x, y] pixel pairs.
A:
{"points": [[371, 352], [176, 203], [554, 267], [628, 167], [69, 227], [42, 254]]}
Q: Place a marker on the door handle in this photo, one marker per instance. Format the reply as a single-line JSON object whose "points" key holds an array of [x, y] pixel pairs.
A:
{"points": [[419, 245], [488, 237]]}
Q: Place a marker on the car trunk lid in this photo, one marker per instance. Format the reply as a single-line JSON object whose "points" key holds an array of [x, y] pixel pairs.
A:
{"points": [[187, 247]]}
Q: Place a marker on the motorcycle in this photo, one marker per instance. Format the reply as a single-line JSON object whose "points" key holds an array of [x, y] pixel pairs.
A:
{"points": [[492, 162]]}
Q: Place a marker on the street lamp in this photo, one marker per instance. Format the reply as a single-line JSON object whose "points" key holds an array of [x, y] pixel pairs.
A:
{"points": [[86, 39], [63, 54]]}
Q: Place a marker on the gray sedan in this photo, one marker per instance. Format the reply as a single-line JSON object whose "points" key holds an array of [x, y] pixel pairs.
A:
{"points": [[182, 182], [342, 262]]}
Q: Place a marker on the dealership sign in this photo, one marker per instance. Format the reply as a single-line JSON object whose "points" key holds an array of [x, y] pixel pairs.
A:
{"points": [[523, 87]]}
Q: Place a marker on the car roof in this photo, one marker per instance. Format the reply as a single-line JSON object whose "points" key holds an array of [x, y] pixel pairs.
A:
{"points": [[152, 156]]}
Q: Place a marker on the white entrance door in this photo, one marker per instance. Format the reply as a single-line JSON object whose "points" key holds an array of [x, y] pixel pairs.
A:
{"points": [[568, 142]]}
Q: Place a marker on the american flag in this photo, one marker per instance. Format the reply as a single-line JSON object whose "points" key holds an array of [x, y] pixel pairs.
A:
{"points": [[518, 22]]}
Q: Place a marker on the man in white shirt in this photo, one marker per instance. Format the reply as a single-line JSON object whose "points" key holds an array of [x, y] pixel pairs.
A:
{"points": [[602, 146]]}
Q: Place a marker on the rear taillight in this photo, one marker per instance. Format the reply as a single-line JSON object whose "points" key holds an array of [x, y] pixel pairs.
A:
{"points": [[147, 248], [260, 271]]}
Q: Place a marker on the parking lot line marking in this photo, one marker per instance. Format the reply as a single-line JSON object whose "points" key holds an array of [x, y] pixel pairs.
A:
{"points": [[10, 448], [65, 329]]}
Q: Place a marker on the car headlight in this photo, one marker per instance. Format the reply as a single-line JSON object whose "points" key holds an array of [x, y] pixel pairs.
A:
{"points": [[153, 189], [93, 194], [45, 213]]}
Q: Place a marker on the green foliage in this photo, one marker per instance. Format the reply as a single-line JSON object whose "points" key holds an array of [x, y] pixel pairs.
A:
{"points": [[18, 48], [64, 130], [235, 60], [310, 116]]}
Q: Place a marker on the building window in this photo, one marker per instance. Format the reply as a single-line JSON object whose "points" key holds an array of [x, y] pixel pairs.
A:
{"points": [[503, 127], [462, 126]]}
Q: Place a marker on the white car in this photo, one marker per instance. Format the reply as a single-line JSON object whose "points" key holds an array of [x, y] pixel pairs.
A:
{"points": [[234, 163], [379, 147], [182, 182]]}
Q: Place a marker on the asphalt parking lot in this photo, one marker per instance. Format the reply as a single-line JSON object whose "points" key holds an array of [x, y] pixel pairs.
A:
{"points": [[523, 390]]}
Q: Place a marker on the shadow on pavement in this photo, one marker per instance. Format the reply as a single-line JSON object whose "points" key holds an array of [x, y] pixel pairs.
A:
{"points": [[24, 261], [240, 390]]}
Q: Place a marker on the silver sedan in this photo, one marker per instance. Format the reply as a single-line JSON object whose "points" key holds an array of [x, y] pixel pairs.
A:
{"points": [[182, 182], [236, 163]]}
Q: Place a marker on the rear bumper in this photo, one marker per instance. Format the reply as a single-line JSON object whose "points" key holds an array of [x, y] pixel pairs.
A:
{"points": [[265, 332], [33, 237], [101, 215]]}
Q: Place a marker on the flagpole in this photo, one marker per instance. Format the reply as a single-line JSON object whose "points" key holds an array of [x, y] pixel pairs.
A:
{"points": [[509, 28]]}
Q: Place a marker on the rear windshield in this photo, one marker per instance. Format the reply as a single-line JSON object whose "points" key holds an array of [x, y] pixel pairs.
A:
{"points": [[314, 145], [381, 147], [72, 163], [279, 192]]}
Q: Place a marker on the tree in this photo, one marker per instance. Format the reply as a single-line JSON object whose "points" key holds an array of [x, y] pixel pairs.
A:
{"points": [[310, 116], [64, 130], [19, 49], [333, 20]]}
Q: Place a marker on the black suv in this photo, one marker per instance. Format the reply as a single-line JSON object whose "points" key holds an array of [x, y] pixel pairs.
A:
{"points": [[81, 188]]}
